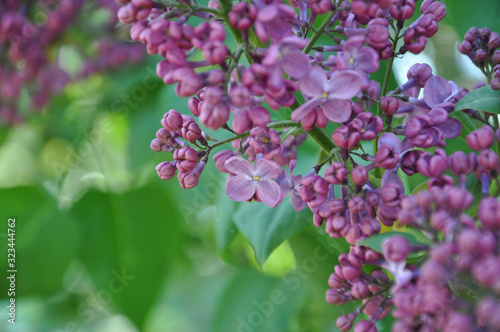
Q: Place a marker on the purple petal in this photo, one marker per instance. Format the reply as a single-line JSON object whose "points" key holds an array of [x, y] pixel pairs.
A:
{"points": [[239, 166], [272, 56], [291, 165], [315, 83], [295, 63], [436, 91], [451, 128], [337, 110], [344, 84], [297, 203], [353, 44], [367, 60], [391, 175], [300, 112], [267, 169], [293, 42], [240, 189], [391, 140], [269, 192]]}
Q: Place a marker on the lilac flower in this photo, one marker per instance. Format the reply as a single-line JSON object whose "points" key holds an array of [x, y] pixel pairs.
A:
{"points": [[332, 94], [355, 56], [253, 180], [287, 55], [290, 185]]}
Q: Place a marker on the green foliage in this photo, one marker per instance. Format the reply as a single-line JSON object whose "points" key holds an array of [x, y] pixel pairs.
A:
{"points": [[266, 228], [484, 99]]}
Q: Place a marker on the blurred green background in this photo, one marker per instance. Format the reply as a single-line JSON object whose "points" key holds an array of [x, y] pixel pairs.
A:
{"points": [[102, 244]]}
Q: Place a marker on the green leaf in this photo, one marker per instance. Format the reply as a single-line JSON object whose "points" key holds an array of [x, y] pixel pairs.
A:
{"points": [[225, 230], [46, 241], [375, 242], [130, 245], [266, 228], [468, 124], [255, 302], [483, 99]]}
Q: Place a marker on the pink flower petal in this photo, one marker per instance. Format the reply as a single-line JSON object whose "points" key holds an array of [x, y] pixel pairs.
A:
{"points": [[269, 192], [391, 140], [267, 169], [239, 166], [295, 63], [337, 110], [344, 84], [436, 91], [303, 110], [315, 83], [240, 189]]}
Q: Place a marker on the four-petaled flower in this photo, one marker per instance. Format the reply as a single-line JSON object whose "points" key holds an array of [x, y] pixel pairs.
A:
{"points": [[331, 94], [253, 181]]}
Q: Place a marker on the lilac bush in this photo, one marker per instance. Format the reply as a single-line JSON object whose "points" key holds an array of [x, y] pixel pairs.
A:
{"points": [[428, 258]]}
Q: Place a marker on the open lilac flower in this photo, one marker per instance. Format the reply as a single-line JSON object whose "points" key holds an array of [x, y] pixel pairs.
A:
{"points": [[253, 180], [332, 94], [355, 56], [290, 185], [287, 55]]}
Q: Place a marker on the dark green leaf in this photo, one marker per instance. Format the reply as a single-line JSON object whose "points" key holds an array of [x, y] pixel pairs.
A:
{"points": [[46, 240], [375, 242], [258, 303], [130, 245], [483, 99], [225, 231], [266, 228]]}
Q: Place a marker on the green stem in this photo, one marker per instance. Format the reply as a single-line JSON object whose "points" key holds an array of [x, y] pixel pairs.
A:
{"points": [[319, 32], [277, 124], [497, 125]]}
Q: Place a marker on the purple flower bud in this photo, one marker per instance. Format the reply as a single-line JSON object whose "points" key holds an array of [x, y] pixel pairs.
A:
{"points": [[333, 296], [387, 157], [481, 139], [166, 170], [481, 55], [172, 120], [486, 308], [215, 52], [314, 190], [496, 57], [459, 199], [188, 180], [359, 175], [344, 323], [186, 158], [409, 162], [336, 173], [458, 163], [489, 160], [365, 326], [156, 145], [335, 281], [432, 166], [221, 157], [442, 252], [493, 42], [489, 213], [346, 137], [359, 289], [436, 8], [420, 72], [465, 47], [389, 105], [378, 33], [396, 249], [190, 130], [193, 103]]}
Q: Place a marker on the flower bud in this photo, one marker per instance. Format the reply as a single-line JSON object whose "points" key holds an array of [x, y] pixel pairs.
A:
{"points": [[481, 139], [389, 105], [432, 166], [166, 170], [344, 323], [387, 157], [365, 326], [172, 120], [458, 163], [359, 175], [396, 249], [336, 173], [489, 160], [489, 213]]}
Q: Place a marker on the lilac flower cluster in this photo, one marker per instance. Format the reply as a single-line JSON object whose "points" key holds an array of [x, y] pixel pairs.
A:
{"points": [[280, 63], [27, 44]]}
